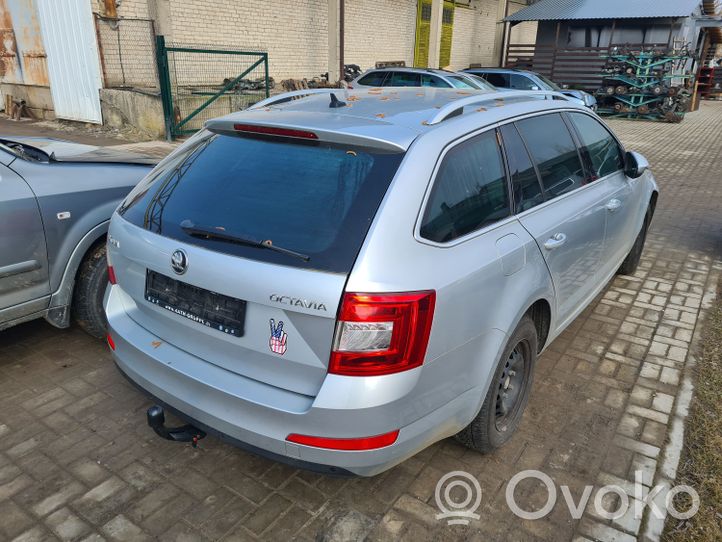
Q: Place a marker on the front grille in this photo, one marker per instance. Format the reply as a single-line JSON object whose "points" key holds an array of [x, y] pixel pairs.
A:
{"points": [[217, 311]]}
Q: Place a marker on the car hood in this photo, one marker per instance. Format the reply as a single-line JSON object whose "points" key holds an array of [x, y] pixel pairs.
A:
{"points": [[585, 97], [68, 151]]}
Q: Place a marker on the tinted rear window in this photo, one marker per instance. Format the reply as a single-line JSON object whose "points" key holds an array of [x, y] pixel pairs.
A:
{"points": [[317, 199], [373, 79], [555, 153], [469, 191]]}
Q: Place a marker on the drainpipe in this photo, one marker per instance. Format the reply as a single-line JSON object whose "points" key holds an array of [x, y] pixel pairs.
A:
{"points": [[334, 60], [341, 25]]}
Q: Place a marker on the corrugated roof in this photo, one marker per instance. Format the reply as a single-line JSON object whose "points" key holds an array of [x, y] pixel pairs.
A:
{"points": [[564, 10]]}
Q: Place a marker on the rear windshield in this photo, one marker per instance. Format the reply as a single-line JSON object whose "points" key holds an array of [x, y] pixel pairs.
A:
{"points": [[316, 199]]}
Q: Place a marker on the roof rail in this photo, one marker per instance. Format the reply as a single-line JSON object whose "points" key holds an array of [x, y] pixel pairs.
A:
{"points": [[288, 96], [456, 107]]}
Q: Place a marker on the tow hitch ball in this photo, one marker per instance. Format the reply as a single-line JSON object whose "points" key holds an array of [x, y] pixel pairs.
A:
{"points": [[184, 433]]}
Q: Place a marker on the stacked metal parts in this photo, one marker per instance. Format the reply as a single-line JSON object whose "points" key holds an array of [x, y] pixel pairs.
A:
{"points": [[649, 84]]}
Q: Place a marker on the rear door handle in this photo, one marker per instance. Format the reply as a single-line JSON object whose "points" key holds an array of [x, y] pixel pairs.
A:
{"points": [[613, 204], [555, 241]]}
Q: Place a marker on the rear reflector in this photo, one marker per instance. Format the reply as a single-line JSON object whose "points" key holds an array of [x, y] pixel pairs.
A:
{"points": [[363, 443], [270, 130], [111, 342], [111, 275], [379, 334]]}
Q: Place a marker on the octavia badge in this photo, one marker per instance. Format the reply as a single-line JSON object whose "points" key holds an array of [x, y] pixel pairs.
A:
{"points": [[179, 262]]}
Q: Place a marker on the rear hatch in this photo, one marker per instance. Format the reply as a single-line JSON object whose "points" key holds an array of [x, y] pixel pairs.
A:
{"points": [[237, 248]]}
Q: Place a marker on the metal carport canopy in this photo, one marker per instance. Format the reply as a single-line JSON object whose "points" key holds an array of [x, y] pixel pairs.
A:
{"points": [[565, 10]]}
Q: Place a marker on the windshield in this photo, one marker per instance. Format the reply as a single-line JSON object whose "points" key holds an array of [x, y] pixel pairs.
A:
{"points": [[551, 84], [316, 199], [478, 80], [462, 82]]}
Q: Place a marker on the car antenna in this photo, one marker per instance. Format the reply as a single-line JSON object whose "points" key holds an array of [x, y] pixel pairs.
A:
{"points": [[335, 102]]}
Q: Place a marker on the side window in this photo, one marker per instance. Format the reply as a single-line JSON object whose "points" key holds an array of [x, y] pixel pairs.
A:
{"points": [[500, 80], [601, 148], [404, 79], [373, 79], [433, 81], [524, 181], [555, 153], [522, 82], [469, 191]]}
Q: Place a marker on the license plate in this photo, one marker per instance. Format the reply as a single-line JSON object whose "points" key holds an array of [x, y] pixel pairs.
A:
{"points": [[216, 311]]}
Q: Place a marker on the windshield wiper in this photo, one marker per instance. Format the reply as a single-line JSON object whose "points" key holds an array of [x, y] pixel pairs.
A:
{"points": [[206, 232]]}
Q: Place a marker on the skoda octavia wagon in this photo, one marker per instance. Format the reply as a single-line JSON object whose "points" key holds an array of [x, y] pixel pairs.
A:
{"points": [[338, 279]]}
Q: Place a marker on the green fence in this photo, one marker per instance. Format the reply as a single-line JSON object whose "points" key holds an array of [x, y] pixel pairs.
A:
{"points": [[201, 83]]}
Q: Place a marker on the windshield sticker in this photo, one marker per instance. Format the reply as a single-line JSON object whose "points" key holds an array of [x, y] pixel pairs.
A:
{"points": [[278, 339]]}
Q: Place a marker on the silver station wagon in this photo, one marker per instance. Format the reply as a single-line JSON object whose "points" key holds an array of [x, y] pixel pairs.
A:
{"points": [[338, 279]]}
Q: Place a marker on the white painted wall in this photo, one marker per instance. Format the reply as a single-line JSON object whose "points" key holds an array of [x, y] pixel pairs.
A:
{"points": [[70, 42]]}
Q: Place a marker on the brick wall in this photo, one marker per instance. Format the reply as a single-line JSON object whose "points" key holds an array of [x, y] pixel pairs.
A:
{"points": [[130, 8], [463, 43], [295, 32], [379, 30]]}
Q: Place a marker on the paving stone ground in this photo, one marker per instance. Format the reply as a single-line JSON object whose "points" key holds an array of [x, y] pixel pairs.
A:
{"points": [[78, 463]]}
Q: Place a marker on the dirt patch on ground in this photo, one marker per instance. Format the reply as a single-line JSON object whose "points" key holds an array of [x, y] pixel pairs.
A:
{"points": [[701, 465]]}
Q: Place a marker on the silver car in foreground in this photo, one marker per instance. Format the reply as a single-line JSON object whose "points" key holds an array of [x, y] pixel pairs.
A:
{"points": [[339, 279]]}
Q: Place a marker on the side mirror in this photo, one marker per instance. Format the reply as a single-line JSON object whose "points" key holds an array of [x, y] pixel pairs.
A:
{"points": [[534, 87], [636, 165], [565, 86]]}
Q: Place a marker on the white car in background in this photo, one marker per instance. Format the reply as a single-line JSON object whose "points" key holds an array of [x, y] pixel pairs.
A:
{"points": [[419, 77]]}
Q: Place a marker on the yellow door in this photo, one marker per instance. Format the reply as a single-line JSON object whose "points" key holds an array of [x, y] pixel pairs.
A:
{"points": [[423, 27], [447, 31]]}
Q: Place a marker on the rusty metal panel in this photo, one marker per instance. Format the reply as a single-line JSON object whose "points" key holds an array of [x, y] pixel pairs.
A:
{"points": [[22, 53], [70, 40]]}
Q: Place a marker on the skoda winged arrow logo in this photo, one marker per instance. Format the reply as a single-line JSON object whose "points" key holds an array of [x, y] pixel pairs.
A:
{"points": [[179, 262]]}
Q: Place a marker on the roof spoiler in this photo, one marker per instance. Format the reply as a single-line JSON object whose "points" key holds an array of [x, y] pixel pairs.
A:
{"points": [[252, 127]]}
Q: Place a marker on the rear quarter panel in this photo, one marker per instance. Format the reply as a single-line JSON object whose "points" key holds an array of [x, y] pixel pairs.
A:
{"points": [[483, 287]]}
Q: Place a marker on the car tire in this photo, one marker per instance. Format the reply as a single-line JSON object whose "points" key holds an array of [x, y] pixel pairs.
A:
{"points": [[498, 418], [90, 284], [631, 262]]}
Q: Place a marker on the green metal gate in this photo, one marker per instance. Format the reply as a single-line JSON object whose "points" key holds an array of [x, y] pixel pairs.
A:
{"points": [[201, 83]]}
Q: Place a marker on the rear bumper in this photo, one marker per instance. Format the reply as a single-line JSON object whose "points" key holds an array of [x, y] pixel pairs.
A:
{"points": [[218, 400]]}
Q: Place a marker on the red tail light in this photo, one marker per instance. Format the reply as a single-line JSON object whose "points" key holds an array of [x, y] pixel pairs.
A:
{"points": [[111, 275], [363, 443], [379, 334], [111, 342], [270, 130]]}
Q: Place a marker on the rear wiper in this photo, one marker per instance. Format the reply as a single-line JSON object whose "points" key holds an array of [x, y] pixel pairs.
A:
{"points": [[206, 232]]}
